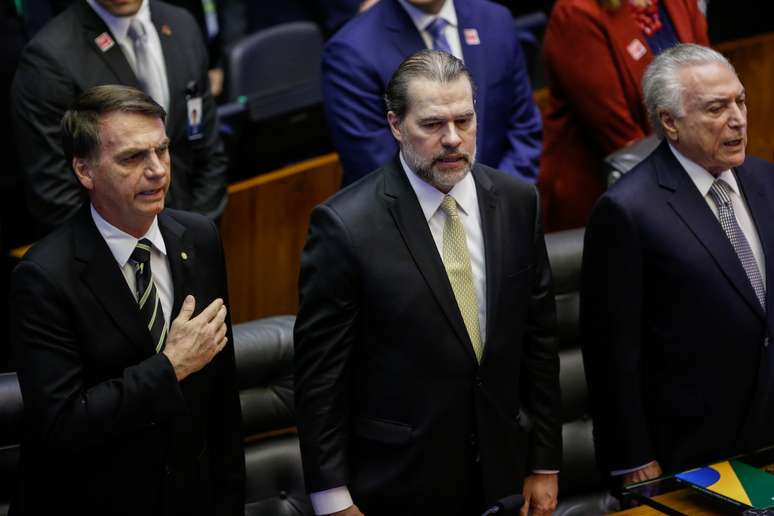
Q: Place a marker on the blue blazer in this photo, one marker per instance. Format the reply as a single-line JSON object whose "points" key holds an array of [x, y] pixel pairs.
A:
{"points": [[359, 60], [675, 341]]}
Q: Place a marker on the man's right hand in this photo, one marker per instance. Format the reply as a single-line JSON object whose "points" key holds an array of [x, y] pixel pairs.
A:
{"points": [[648, 472], [352, 510], [192, 343]]}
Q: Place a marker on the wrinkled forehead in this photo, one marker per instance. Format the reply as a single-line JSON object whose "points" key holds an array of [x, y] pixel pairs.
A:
{"points": [[427, 97], [120, 130], [709, 82]]}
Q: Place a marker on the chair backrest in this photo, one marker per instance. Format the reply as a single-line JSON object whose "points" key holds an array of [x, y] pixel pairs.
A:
{"points": [[618, 163], [277, 69], [11, 409], [264, 359]]}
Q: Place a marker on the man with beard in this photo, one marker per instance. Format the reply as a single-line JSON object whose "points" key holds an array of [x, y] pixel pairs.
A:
{"points": [[426, 364]]}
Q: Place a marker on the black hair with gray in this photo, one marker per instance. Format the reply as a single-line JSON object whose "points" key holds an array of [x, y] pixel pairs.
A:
{"points": [[80, 123], [662, 89], [433, 65]]}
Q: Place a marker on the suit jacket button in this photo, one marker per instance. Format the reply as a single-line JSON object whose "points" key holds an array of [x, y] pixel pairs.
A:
{"points": [[479, 381], [473, 440], [283, 495]]}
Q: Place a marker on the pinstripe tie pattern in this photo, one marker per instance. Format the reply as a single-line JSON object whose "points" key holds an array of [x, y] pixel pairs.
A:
{"points": [[147, 296], [721, 195], [456, 260]]}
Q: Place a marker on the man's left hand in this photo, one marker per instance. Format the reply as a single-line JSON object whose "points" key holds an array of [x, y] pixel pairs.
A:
{"points": [[540, 492]]}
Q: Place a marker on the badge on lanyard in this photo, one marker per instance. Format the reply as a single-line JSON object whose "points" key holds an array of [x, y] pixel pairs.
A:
{"points": [[193, 104]]}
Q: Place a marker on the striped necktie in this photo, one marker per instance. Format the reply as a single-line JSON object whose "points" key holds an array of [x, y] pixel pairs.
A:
{"points": [[721, 195], [147, 297], [456, 260]]}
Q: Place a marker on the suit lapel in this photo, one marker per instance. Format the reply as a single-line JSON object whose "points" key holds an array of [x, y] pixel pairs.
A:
{"points": [[491, 227], [693, 209], [404, 35], [760, 202], [410, 221], [105, 280], [473, 55], [173, 64], [93, 28], [181, 258]]}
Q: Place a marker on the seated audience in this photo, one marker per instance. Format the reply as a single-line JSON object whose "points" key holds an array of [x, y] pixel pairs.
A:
{"points": [[360, 59], [595, 53], [136, 43], [674, 299]]}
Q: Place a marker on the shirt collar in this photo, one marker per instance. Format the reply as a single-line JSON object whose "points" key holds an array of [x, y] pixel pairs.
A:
{"points": [[122, 244], [700, 176], [430, 197], [119, 25], [421, 19]]}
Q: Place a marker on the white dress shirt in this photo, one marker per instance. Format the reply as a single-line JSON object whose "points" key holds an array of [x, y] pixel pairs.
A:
{"points": [[122, 245], [119, 26], [703, 180], [421, 20]]}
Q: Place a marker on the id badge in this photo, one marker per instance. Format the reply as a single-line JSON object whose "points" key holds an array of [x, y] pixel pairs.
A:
{"points": [[194, 108]]}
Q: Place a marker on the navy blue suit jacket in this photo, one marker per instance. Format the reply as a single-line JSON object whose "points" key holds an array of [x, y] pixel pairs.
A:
{"points": [[675, 340], [360, 59]]}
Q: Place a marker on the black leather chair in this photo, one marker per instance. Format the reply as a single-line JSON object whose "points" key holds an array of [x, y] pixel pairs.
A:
{"points": [[10, 436], [618, 163], [274, 114], [582, 489], [264, 357]]}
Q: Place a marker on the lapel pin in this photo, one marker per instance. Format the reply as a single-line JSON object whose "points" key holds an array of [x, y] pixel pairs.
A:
{"points": [[184, 255], [636, 49], [471, 37], [166, 30], [104, 42]]}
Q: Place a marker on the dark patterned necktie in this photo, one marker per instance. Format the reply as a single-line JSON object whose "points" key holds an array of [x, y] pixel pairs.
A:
{"points": [[721, 194], [147, 296], [436, 28]]}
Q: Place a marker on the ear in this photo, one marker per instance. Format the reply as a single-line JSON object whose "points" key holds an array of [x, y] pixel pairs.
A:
{"points": [[669, 125], [394, 122], [84, 171]]}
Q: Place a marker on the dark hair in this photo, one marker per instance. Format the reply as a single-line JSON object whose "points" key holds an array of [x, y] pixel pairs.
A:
{"points": [[80, 123], [433, 65]]}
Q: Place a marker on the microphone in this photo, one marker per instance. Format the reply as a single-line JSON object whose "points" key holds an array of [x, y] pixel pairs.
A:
{"points": [[508, 503]]}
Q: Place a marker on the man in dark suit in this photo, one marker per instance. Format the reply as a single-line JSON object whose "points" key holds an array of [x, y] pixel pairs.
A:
{"points": [[674, 294], [426, 364], [92, 43], [122, 336], [360, 59]]}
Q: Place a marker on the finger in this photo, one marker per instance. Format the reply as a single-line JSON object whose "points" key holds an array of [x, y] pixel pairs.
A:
{"points": [[525, 508], [211, 311], [221, 345], [220, 333], [189, 305]]}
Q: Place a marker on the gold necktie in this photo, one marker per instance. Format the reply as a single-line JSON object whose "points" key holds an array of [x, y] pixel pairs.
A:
{"points": [[457, 262]]}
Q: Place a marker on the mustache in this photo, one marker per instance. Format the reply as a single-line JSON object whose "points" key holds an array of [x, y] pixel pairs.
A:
{"points": [[452, 155]]}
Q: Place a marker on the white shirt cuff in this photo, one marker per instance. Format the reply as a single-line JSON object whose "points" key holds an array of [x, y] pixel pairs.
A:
{"points": [[619, 472], [331, 500], [546, 471]]}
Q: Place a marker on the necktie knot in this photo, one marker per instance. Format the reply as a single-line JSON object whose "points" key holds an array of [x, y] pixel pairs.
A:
{"points": [[436, 26], [141, 253], [720, 193], [136, 31], [449, 206]]}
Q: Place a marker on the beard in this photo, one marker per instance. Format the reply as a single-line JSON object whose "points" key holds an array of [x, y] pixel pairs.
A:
{"points": [[427, 171]]}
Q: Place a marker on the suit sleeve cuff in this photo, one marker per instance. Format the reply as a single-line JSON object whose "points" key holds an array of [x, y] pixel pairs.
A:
{"points": [[619, 472], [331, 500]]}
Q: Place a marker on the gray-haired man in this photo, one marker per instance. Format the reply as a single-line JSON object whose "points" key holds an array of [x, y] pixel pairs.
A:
{"points": [[675, 300]]}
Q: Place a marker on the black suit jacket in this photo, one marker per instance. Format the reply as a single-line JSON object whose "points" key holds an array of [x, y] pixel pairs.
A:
{"points": [[390, 398], [674, 335], [109, 430], [63, 60]]}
